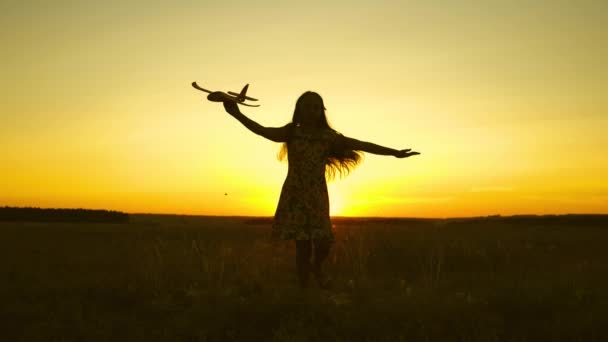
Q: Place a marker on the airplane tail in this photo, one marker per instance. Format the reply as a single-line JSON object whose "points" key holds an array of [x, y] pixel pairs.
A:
{"points": [[242, 96], [243, 93]]}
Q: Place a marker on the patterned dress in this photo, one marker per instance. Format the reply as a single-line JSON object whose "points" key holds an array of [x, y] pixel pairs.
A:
{"points": [[303, 209]]}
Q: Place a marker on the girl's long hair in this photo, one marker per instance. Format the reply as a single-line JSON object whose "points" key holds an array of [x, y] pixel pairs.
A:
{"points": [[340, 160]]}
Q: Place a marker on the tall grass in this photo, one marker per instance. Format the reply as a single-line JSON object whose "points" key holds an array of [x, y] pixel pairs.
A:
{"points": [[204, 279]]}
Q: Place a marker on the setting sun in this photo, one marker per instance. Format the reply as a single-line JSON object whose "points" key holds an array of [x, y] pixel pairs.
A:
{"points": [[336, 203]]}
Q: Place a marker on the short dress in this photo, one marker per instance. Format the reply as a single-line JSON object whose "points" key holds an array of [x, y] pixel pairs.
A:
{"points": [[303, 209]]}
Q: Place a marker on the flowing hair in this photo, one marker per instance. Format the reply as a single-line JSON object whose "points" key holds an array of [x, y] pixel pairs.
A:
{"points": [[340, 160]]}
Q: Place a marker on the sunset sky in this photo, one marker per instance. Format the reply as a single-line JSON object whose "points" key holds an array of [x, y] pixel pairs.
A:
{"points": [[506, 100]]}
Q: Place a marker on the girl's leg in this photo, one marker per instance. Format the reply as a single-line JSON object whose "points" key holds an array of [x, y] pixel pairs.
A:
{"points": [[321, 252], [303, 253]]}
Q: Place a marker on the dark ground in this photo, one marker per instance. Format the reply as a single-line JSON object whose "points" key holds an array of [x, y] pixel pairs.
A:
{"points": [[185, 278]]}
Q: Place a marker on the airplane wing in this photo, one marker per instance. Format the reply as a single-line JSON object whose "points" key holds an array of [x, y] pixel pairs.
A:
{"points": [[245, 97], [196, 86], [248, 105]]}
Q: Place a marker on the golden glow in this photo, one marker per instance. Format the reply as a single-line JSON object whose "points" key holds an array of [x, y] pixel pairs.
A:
{"points": [[336, 201], [505, 101]]}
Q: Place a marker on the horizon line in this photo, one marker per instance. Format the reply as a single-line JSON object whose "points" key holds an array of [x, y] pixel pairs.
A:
{"points": [[332, 216]]}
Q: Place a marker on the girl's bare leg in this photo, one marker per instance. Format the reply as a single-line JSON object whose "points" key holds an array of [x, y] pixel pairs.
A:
{"points": [[321, 252], [303, 266]]}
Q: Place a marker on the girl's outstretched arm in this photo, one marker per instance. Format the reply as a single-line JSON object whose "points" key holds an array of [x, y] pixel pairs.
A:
{"points": [[277, 134], [365, 146]]}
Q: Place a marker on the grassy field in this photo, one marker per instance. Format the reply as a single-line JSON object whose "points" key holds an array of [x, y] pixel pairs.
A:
{"points": [[183, 278]]}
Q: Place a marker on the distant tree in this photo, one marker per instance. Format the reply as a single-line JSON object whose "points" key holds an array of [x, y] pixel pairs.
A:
{"points": [[61, 215]]}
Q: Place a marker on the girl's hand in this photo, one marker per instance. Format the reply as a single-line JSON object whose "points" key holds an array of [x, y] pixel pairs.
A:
{"points": [[406, 153], [231, 107]]}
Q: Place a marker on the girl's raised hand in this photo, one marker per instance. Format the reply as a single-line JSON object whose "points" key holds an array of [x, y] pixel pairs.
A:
{"points": [[406, 153], [231, 107]]}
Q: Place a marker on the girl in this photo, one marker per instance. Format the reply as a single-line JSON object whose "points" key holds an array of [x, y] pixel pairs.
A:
{"points": [[313, 150]]}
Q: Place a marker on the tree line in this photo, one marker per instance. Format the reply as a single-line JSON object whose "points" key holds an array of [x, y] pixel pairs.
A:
{"points": [[61, 215]]}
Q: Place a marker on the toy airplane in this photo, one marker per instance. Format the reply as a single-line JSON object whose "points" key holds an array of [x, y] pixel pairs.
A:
{"points": [[220, 96]]}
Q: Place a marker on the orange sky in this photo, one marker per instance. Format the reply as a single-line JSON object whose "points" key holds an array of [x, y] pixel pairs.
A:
{"points": [[505, 100]]}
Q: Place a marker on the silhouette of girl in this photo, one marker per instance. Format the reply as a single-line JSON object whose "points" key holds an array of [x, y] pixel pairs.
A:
{"points": [[314, 151]]}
